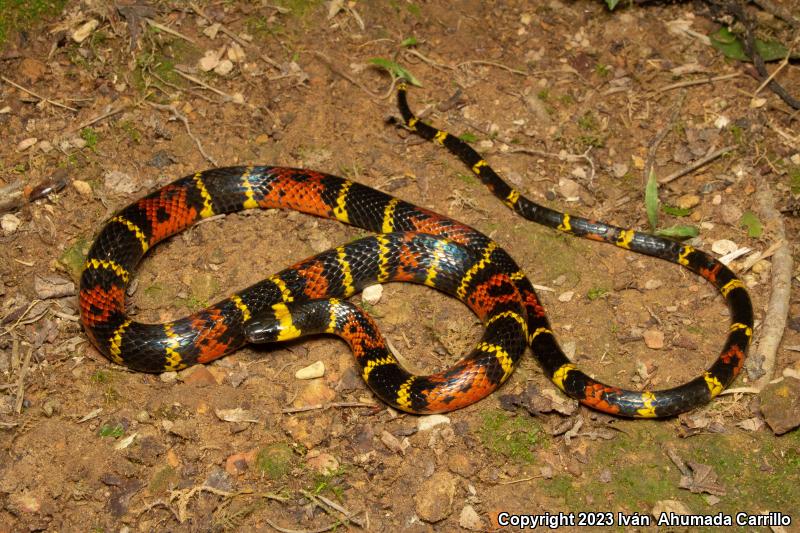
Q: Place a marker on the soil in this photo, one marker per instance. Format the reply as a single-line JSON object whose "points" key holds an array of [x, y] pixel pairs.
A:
{"points": [[242, 443]]}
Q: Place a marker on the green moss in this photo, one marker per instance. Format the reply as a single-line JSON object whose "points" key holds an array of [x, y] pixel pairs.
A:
{"points": [[514, 437], [74, 257], [275, 460], [90, 136], [16, 15], [112, 430]]}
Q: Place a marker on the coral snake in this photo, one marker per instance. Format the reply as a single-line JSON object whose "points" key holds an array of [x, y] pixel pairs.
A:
{"points": [[411, 244]]}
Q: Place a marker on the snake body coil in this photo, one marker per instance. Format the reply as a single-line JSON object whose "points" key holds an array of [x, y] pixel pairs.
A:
{"points": [[412, 244]]}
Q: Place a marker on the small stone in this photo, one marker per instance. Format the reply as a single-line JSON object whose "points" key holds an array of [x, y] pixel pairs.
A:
{"points": [[652, 284], [322, 463], [393, 443], [224, 67], [84, 30], [314, 370], [721, 122], [24, 502], [716, 199], [731, 214], [198, 375], [46, 147], [670, 506], [120, 182], [83, 188], [568, 188], [780, 405], [434, 499], [209, 61], [168, 377], [470, 519], [688, 201], [566, 296], [431, 421], [142, 417], [26, 143], [212, 31], [460, 464], [51, 407], [316, 392], [619, 170], [653, 339], [372, 294], [9, 222]]}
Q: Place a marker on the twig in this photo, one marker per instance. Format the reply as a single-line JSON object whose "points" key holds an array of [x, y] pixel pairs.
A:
{"points": [[570, 158], [326, 505], [303, 409], [328, 63], [762, 363], [185, 121], [781, 65], [39, 96], [779, 11], [169, 30], [691, 83], [659, 138], [23, 371], [322, 529], [232, 35], [492, 64], [697, 164], [98, 118], [201, 83]]}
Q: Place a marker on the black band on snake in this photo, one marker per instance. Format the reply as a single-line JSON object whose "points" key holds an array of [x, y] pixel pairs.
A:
{"points": [[412, 244]]}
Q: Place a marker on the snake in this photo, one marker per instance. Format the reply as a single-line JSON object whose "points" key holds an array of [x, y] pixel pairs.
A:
{"points": [[408, 244]]}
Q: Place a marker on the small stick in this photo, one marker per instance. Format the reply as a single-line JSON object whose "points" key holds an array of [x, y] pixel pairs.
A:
{"points": [[98, 118], [201, 83], [23, 371], [169, 30], [697, 164], [328, 63], [492, 64], [39, 96], [185, 121], [774, 73], [314, 407], [275, 526], [691, 83], [327, 504]]}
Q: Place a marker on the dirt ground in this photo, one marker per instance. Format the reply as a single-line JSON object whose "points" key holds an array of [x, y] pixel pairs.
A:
{"points": [[563, 98]]}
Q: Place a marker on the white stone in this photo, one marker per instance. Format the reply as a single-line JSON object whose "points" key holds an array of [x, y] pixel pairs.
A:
{"points": [[314, 370]]}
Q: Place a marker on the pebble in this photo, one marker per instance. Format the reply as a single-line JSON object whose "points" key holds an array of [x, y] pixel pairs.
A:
{"points": [[9, 222], [688, 201], [372, 294], [568, 188], [315, 392], [26, 143], [209, 61], [470, 519], [427, 422], [652, 284], [322, 463], [730, 214], [168, 377], [212, 31], [566, 296], [619, 170], [224, 67], [314, 370], [51, 407], [780, 404], [434, 499], [120, 182], [46, 147], [143, 417], [653, 339], [198, 375]]}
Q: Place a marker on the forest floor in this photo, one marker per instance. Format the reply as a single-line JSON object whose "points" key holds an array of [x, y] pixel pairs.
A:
{"points": [[564, 99]]}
